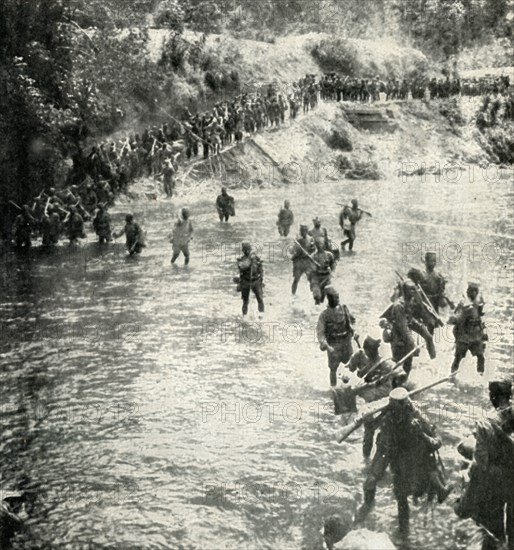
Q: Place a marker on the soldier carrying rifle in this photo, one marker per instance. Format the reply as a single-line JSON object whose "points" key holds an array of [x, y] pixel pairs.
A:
{"points": [[375, 377], [408, 444], [405, 316], [348, 219], [469, 329]]}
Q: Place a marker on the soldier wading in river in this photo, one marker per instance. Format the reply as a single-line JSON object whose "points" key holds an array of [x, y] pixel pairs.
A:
{"points": [[301, 257], [488, 496], [182, 234], [408, 444], [250, 278], [469, 329], [225, 205], [335, 333]]}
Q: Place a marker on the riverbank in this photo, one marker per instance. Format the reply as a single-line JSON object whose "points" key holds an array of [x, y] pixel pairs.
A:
{"points": [[406, 139]]}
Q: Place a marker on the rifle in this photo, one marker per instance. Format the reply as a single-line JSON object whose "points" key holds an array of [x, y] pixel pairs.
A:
{"points": [[398, 364], [429, 307], [46, 206], [385, 377], [380, 406], [14, 204], [348, 206], [425, 302], [124, 145], [306, 253]]}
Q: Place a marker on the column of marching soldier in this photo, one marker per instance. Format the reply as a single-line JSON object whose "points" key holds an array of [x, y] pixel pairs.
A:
{"points": [[158, 152], [396, 433]]}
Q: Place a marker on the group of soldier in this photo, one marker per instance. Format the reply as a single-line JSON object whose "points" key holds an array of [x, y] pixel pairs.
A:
{"points": [[402, 437], [344, 88], [396, 433], [158, 151]]}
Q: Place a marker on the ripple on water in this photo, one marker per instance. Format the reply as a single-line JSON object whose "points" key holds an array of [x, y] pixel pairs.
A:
{"points": [[142, 411]]}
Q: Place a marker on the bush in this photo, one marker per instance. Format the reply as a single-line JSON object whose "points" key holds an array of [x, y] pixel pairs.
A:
{"points": [[367, 59]]}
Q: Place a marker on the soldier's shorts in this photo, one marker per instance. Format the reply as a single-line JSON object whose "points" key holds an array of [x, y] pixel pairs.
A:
{"points": [[318, 284], [341, 354], [178, 248], [349, 233], [300, 267], [476, 348]]}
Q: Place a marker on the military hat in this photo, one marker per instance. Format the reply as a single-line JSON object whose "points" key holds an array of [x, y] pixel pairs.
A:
{"points": [[500, 387], [304, 227], [474, 285], [331, 291], [354, 202], [408, 284], [371, 342], [415, 275], [398, 394], [430, 255], [185, 212], [316, 220], [246, 246]]}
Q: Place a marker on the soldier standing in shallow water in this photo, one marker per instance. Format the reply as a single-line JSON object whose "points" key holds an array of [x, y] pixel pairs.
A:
{"points": [[321, 276], [285, 220], [433, 283], [403, 324], [408, 444], [134, 235], [335, 333], [22, 227], [348, 219], [376, 384], [302, 264], [488, 497], [102, 225], [182, 234], [75, 227], [469, 329], [251, 276], [318, 232], [225, 205]]}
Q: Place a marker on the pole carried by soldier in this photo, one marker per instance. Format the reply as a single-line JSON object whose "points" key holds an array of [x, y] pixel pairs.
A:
{"points": [[376, 377], [348, 218], [409, 445], [379, 406]]}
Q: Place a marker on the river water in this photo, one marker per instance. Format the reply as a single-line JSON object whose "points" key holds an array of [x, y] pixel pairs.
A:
{"points": [[142, 413]]}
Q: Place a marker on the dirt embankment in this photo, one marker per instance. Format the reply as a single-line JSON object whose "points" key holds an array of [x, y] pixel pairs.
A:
{"points": [[335, 141], [338, 141]]}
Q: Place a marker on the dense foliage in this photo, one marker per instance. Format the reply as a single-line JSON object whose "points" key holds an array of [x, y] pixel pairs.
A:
{"points": [[71, 70]]}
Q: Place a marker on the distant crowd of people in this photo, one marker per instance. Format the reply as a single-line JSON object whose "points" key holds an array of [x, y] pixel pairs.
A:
{"points": [[344, 88]]}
